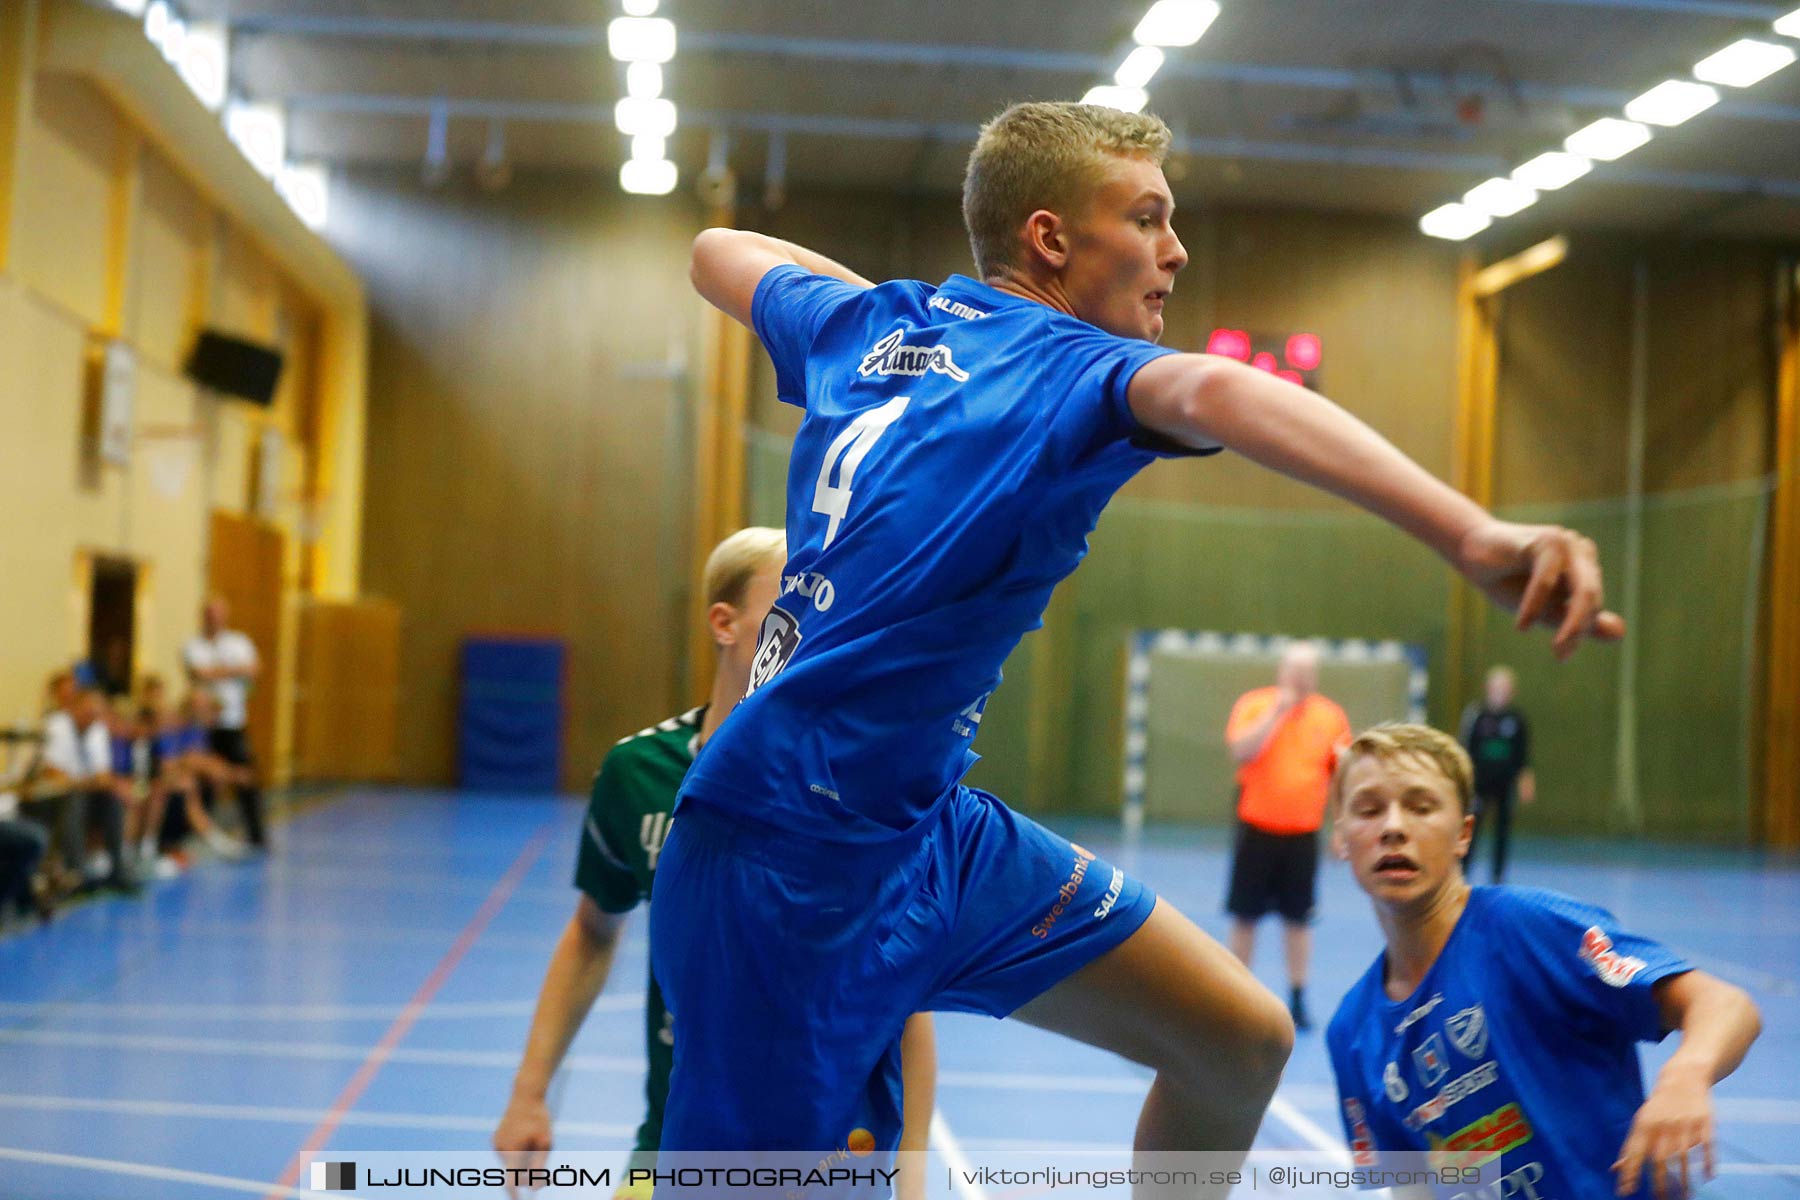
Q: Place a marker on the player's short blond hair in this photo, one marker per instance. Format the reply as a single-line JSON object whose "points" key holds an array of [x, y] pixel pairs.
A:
{"points": [[737, 559], [1393, 740], [1045, 154]]}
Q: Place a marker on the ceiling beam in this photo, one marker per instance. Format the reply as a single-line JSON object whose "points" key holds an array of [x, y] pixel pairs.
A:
{"points": [[1729, 10], [1335, 79], [892, 129]]}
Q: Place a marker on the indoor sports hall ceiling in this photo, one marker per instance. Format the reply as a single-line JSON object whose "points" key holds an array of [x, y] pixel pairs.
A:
{"points": [[1386, 107]]}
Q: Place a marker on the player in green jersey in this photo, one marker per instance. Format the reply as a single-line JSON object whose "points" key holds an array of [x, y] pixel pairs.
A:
{"points": [[627, 819]]}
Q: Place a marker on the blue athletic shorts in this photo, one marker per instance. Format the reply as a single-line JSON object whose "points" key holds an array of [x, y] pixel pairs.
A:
{"points": [[789, 965]]}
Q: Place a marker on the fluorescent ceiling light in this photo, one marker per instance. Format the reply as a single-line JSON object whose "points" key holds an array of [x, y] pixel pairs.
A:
{"points": [[1139, 67], [1606, 139], [1671, 102], [1789, 26], [1551, 170], [1126, 99], [644, 80], [131, 7], [1453, 222], [648, 178], [174, 38], [260, 131], [641, 39], [1499, 197], [202, 65], [1743, 63], [637, 114], [308, 192], [640, 8], [648, 148], [156, 21], [1175, 22]]}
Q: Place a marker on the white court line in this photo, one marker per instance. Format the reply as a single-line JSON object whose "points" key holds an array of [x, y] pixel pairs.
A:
{"points": [[1747, 1109], [1781, 1169], [1309, 1131], [1004, 1081], [451, 1011], [1743, 976], [958, 1162], [506, 1060], [281, 934], [1758, 1112], [288, 1116], [334, 880], [111, 1166]]}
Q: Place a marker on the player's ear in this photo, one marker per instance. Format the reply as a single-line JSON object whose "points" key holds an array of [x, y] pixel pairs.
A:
{"points": [[1465, 835], [1339, 848], [1047, 239], [721, 622]]}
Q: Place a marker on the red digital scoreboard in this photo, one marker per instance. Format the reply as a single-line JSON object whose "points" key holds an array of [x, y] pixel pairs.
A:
{"points": [[1296, 357]]}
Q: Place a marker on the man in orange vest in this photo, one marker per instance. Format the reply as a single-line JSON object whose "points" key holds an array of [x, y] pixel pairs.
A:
{"points": [[1285, 741]]}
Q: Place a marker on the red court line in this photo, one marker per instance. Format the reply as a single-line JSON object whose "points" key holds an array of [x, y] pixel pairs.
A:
{"points": [[371, 1066]]}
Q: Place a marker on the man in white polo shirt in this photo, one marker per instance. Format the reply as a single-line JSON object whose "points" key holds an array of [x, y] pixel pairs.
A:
{"points": [[75, 774], [223, 663]]}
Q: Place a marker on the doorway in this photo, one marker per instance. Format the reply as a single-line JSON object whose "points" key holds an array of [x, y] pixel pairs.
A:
{"points": [[112, 623]]}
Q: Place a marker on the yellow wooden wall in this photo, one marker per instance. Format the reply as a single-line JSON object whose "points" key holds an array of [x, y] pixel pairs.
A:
{"points": [[123, 213]]}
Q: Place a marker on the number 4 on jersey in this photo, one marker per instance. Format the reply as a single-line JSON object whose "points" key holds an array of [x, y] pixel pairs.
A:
{"points": [[850, 448]]}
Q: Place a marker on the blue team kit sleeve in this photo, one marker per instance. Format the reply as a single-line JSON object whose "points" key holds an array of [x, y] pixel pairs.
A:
{"points": [[1577, 962], [788, 308], [1093, 410]]}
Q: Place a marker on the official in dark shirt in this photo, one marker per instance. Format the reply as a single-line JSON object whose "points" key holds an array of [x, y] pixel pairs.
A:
{"points": [[1499, 741]]}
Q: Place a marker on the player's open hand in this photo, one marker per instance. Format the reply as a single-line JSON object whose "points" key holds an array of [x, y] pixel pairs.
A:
{"points": [[1675, 1121], [523, 1137], [1545, 575]]}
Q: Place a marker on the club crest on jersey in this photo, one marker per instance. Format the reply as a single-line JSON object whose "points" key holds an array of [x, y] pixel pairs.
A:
{"points": [[1468, 1032], [774, 646], [1429, 1060], [892, 356]]}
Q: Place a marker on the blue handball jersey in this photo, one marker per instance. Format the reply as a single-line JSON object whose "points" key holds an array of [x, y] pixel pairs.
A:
{"points": [[1521, 1042], [958, 446]]}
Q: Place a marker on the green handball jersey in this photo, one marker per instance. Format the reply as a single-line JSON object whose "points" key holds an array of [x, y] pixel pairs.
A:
{"points": [[623, 832]]}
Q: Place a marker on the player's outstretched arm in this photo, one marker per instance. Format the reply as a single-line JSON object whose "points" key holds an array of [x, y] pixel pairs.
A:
{"points": [[727, 264], [918, 1090], [578, 970], [1717, 1023], [1546, 574]]}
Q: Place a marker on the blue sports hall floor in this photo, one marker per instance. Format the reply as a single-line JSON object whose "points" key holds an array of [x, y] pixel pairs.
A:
{"points": [[369, 985]]}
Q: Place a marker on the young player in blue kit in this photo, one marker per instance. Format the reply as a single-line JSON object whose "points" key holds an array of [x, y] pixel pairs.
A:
{"points": [[829, 874], [1503, 1022]]}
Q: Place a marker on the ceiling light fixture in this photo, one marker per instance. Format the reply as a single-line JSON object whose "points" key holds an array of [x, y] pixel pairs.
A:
{"points": [[639, 115], [1671, 102], [643, 177], [1175, 22], [1606, 139], [1126, 99], [1551, 170], [641, 39], [1139, 67], [307, 190], [1500, 197], [644, 80], [1453, 222], [1744, 62]]}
